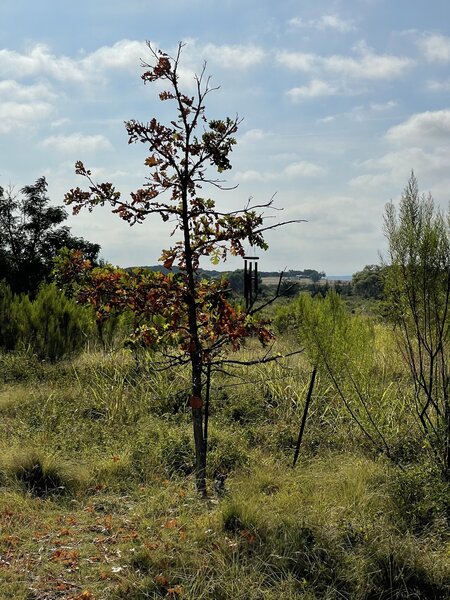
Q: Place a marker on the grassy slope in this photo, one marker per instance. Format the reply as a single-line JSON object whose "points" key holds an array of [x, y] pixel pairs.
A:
{"points": [[97, 499]]}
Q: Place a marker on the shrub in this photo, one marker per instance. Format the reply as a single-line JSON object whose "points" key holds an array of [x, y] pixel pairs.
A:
{"points": [[59, 327], [52, 326], [40, 474]]}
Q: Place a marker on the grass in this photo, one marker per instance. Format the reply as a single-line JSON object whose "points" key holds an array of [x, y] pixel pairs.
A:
{"points": [[98, 502]]}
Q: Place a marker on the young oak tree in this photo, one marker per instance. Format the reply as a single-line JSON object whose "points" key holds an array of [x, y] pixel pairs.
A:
{"points": [[190, 318]]}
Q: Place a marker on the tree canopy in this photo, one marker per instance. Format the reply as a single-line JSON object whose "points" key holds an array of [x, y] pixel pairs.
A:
{"points": [[368, 283], [31, 235]]}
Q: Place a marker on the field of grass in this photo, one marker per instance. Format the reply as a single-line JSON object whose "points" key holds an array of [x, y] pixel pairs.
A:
{"points": [[98, 501]]}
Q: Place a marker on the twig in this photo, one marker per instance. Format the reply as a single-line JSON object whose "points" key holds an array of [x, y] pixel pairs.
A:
{"points": [[305, 415]]}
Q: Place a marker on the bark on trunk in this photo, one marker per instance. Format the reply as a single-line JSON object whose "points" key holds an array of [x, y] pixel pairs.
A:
{"points": [[200, 456]]}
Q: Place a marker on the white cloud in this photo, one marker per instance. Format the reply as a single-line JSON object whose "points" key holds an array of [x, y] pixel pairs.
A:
{"points": [[391, 171], [435, 47], [382, 106], [303, 168], [253, 175], [124, 54], [12, 91], [39, 62], [295, 170], [59, 122], [252, 135], [422, 128], [76, 142], [366, 65], [438, 86], [371, 181], [325, 22], [233, 57], [315, 89], [299, 61], [335, 22], [411, 158], [297, 22], [16, 115], [327, 119]]}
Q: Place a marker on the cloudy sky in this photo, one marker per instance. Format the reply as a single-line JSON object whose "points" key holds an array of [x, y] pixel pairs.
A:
{"points": [[340, 99]]}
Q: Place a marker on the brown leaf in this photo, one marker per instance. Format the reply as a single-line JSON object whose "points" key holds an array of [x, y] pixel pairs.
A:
{"points": [[195, 402], [170, 524]]}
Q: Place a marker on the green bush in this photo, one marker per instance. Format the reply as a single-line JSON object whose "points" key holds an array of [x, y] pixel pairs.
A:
{"points": [[343, 347], [52, 326]]}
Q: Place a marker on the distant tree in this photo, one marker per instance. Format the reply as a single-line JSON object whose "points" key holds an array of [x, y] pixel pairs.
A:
{"points": [[236, 280], [368, 283], [418, 298], [314, 275], [31, 236], [289, 289]]}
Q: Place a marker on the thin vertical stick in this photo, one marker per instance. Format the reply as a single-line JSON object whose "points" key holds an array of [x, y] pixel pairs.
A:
{"points": [[305, 414], [250, 283], [208, 387], [246, 285]]}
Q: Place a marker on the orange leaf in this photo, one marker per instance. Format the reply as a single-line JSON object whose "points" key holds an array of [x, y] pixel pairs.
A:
{"points": [[176, 590], [151, 545], [161, 580], [151, 161], [170, 524], [85, 595]]}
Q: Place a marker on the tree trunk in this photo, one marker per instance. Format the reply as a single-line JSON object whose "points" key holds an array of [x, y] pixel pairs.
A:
{"points": [[197, 424], [446, 469], [200, 455]]}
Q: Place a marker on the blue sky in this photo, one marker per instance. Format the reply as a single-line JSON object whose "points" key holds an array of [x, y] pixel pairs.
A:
{"points": [[340, 100]]}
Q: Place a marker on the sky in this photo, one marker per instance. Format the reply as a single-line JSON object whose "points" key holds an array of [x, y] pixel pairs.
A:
{"points": [[340, 100]]}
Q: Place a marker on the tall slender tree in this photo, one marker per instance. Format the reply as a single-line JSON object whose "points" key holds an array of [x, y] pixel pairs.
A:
{"points": [[193, 314], [417, 287]]}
